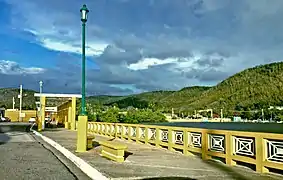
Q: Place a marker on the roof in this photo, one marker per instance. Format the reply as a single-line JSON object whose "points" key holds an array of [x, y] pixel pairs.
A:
{"points": [[58, 95]]}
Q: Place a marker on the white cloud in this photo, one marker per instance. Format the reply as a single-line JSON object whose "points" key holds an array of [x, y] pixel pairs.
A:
{"points": [[179, 38], [145, 63], [13, 68], [91, 50], [50, 40]]}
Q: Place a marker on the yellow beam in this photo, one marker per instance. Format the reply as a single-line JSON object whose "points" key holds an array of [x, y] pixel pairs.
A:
{"points": [[42, 115], [73, 114]]}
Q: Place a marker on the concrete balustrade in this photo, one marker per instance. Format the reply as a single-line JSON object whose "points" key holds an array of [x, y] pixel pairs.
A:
{"points": [[263, 150]]}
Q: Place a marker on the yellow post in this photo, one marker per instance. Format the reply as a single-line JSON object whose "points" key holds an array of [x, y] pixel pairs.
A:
{"points": [[66, 120], [73, 114], [42, 115], [82, 134], [69, 117], [261, 152]]}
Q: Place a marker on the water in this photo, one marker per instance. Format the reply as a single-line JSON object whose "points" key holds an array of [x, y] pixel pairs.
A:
{"points": [[235, 126]]}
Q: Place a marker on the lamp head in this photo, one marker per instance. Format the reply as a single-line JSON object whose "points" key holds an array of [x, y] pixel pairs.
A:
{"points": [[84, 11]]}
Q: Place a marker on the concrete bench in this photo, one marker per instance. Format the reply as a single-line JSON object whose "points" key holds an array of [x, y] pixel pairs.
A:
{"points": [[113, 150], [89, 141]]}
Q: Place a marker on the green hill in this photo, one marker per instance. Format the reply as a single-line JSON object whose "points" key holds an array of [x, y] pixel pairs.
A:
{"points": [[7, 94], [180, 99], [253, 88], [142, 100]]}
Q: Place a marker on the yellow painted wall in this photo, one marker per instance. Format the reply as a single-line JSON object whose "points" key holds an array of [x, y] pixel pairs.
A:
{"points": [[62, 112], [14, 115]]}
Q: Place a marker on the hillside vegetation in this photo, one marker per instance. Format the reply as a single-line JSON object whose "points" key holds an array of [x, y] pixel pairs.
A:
{"points": [[254, 88], [7, 94], [28, 101]]}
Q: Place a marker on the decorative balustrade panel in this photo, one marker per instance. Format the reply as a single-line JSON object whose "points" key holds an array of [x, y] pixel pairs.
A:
{"points": [[126, 130], [274, 150], [103, 128], [133, 131], [91, 127], [112, 129], [152, 134], [195, 139], [216, 143], [178, 137], [244, 146], [108, 129], [142, 132], [242, 143], [119, 129], [164, 135]]}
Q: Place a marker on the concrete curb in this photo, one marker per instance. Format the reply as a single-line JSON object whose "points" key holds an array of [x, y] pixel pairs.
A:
{"points": [[81, 164]]}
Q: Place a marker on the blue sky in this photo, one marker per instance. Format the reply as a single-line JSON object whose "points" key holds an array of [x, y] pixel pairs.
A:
{"points": [[135, 45]]}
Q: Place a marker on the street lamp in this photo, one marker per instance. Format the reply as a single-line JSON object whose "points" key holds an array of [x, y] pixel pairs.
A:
{"points": [[40, 87], [84, 11], [40, 91]]}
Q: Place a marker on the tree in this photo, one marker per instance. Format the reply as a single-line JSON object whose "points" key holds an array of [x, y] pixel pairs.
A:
{"points": [[132, 116], [111, 115]]}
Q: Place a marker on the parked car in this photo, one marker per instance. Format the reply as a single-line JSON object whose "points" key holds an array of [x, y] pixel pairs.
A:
{"points": [[2, 119], [8, 119], [5, 119], [32, 120]]}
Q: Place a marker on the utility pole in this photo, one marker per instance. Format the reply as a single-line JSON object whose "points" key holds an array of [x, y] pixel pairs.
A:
{"points": [[13, 103], [262, 114], [40, 91], [21, 101], [221, 114]]}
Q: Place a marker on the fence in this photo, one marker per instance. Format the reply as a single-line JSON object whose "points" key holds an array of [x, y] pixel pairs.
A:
{"points": [[264, 150]]}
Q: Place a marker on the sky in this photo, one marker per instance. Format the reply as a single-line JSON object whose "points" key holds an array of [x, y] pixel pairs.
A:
{"points": [[135, 46]]}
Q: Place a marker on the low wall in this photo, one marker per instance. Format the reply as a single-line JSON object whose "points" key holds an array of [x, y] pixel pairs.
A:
{"points": [[261, 150], [14, 115]]}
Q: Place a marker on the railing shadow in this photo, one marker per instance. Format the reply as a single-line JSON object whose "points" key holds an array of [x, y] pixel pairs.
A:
{"points": [[226, 169], [95, 144], [127, 154]]}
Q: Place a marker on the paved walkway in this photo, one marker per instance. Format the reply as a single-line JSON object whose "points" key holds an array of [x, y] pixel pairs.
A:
{"points": [[146, 162], [24, 158]]}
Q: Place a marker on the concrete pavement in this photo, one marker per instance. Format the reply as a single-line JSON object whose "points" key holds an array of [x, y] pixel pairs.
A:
{"points": [[148, 162], [25, 157]]}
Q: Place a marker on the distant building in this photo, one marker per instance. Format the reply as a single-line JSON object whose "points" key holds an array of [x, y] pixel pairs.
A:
{"points": [[276, 107], [237, 119]]}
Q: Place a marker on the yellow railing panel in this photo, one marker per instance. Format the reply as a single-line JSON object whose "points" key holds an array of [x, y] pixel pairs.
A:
{"points": [[262, 149]]}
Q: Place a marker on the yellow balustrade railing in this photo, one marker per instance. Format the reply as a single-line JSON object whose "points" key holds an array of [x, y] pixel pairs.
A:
{"points": [[264, 150]]}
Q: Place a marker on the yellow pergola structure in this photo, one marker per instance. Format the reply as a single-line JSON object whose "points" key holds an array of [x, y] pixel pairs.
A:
{"points": [[66, 112]]}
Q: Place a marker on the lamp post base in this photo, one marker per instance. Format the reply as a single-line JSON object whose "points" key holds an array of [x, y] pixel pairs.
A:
{"points": [[82, 134]]}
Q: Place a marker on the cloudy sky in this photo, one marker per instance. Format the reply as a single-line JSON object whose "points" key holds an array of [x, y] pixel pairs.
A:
{"points": [[135, 45]]}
